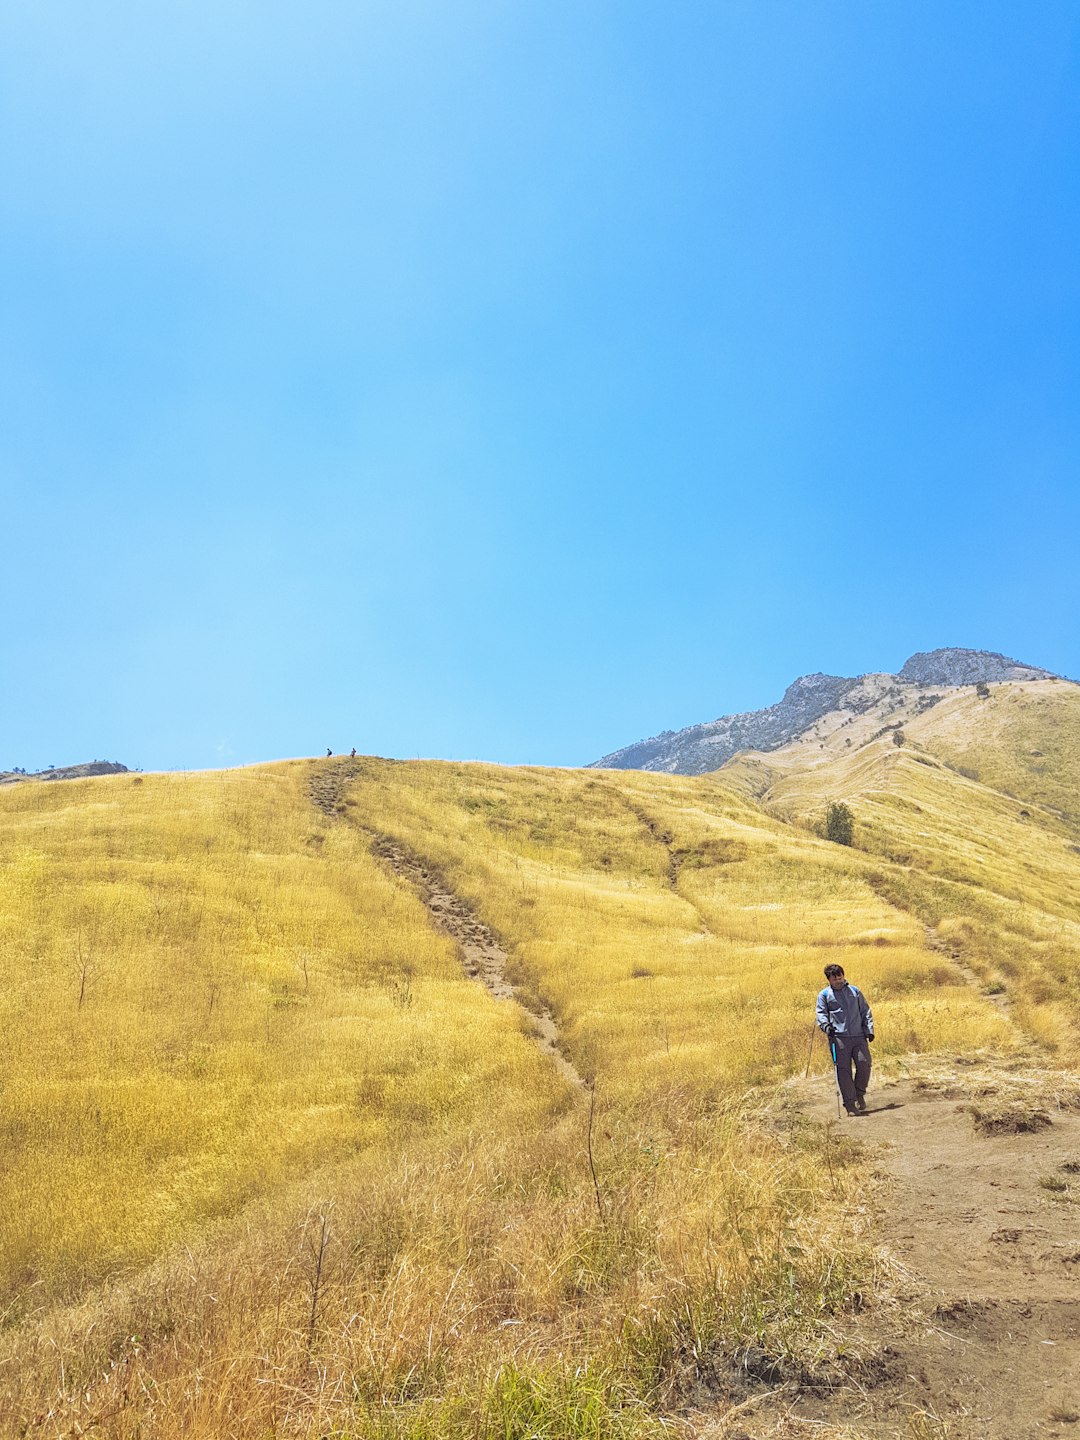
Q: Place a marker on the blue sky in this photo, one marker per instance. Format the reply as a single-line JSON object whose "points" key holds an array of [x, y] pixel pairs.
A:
{"points": [[513, 381]]}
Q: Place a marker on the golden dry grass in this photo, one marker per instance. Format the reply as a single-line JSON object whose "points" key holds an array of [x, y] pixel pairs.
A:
{"points": [[954, 835], [706, 979], [207, 990], [275, 1057], [1021, 739]]}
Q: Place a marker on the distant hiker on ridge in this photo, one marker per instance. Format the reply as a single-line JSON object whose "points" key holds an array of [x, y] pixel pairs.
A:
{"points": [[352, 753], [329, 752], [845, 1018]]}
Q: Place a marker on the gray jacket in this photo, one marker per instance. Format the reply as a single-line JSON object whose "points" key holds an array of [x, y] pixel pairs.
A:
{"points": [[846, 1011]]}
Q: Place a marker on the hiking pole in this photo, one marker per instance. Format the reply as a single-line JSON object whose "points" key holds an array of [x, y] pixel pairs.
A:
{"points": [[836, 1073], [810, 1053]]}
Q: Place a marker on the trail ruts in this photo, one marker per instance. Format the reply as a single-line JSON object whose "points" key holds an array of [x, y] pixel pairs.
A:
{"points": [[482, 957], [666, 839], [326, 787], [935, 942], [942, 947]]}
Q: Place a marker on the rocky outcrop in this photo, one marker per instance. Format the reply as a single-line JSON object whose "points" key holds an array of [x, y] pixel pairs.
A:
{"points": [[701, 748], [966, 667]]}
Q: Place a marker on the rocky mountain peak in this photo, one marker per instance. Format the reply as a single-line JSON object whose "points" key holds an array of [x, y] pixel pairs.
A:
{"points": [[700, 748], [809, 689], [966, 667]]}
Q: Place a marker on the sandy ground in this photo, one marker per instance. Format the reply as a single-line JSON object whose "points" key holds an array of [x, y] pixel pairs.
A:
{"points": [[980, 1338]]}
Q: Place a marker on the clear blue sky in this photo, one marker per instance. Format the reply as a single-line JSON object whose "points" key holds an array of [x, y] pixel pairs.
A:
{"points": [[516, 380]]}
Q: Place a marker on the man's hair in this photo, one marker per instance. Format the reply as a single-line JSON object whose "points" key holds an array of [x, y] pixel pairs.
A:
{"points": [[831, 971]]}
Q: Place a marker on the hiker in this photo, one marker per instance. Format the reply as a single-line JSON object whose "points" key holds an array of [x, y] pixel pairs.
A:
{"points": [[352, 753], [329, 752], [844, 1016]]}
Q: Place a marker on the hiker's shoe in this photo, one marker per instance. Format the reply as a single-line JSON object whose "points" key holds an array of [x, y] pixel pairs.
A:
{"points": [[860, 1102], [850, 1110]]}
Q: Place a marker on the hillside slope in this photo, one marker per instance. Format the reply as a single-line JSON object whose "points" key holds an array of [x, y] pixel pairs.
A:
{"points": [[977, 809], [277, 1162], [65, 772]]}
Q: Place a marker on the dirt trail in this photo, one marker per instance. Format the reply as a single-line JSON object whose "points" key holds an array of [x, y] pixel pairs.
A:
{"points": [[482, 956], [666, 840], [981, 1334], [935, 942], [329, 783]]}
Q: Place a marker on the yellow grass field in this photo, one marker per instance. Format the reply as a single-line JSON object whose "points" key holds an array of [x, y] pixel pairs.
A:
{"points": [[273, 1165], [976, 820]]}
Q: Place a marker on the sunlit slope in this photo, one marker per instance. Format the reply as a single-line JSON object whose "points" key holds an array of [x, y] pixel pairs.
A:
{"points": [[207, 989], [677, 932], [232, 1033], [995, 870], [1021, 739]]}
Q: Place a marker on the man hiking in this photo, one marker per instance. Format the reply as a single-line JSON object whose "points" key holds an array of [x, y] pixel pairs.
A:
{"points": [[844, 1016]]}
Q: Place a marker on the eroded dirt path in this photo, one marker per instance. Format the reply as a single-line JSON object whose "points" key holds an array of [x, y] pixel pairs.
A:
{"points": [[979, 1328], [483, 957], [666, 840], [998, 998]]}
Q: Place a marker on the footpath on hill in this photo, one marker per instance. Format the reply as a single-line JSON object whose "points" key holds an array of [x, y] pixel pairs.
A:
{"points": [[483, 957], [973, 1186], [976, 1333]]}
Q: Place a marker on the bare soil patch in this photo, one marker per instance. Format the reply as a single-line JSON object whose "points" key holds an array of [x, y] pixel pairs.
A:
{"points": [[977, 1324]]}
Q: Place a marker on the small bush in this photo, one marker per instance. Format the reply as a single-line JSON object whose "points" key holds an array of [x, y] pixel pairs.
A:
{"points": [[839, 824]]}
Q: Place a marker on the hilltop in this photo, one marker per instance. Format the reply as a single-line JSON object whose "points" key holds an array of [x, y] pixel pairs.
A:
{"points": [[66, 772], [698, 749]]}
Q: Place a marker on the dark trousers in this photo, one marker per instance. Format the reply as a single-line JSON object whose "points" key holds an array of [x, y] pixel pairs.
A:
{"points": [[852, 1053]]}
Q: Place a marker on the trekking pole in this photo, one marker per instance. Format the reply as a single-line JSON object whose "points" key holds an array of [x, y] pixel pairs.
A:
{"points": [[810, 1053], [836, 1073]]}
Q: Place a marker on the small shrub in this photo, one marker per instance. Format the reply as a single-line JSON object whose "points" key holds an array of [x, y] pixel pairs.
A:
{"points": [[839, 824], [1054, 1183]]}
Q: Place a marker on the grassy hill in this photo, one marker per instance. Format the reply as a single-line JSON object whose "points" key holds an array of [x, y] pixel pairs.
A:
{"points": [[1020, 739], [276, 1165], [977, 817]]}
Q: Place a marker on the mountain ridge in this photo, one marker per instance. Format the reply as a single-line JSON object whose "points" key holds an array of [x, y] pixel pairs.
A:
{"points": [[697, 749]]}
